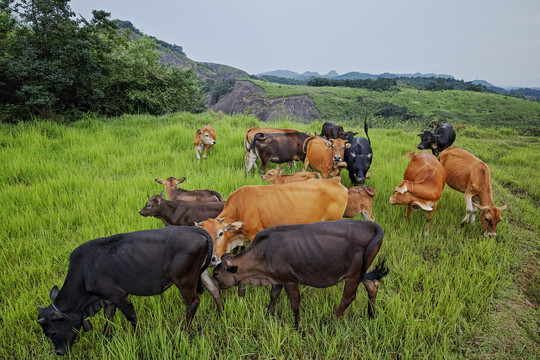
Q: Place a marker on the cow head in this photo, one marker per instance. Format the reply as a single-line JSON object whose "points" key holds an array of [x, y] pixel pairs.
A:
{"points": [[338, 147], [225, 273], [348, 135], [223, 236], [152, 205], [360, 200], [427, 140], [490, 217], [171, 183], [272, 175], [359, 165], [61, 328], [205, 136], [403, 195]]}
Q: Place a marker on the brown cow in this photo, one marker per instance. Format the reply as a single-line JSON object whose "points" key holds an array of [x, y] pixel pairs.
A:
{"points": [[204, 138], [255, 207], [319, 255], [252, 131], [360, 201], [470, 175], [325, 156], [275, 176], [422, 185], [176, 193]]}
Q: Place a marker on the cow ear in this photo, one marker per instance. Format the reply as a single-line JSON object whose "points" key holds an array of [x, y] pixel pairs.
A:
{"points": [[221, 219], [329, 143], [232, 269], [181, 180], [420, 135], [502, 208], [198, 224], [401, 189], [423, 206], [160, 197], [160, 181], [54, 292], [355, 133], [347, 145], [370, 155], [235, 226], [199, 131]]}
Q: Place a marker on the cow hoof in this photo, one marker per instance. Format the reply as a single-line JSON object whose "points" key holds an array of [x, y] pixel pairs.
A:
{"points": [[242, 290]]}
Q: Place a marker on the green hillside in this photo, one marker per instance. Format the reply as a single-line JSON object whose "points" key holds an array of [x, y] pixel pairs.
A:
{"points": [[405, 106]]}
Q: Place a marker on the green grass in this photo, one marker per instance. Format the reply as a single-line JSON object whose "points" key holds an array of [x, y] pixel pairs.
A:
{"points": [[454, 294]]}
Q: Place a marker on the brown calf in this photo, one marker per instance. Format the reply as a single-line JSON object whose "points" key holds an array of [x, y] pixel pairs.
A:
{"points": [[176, 193], [275, 176], [360, 201], [325, 156], [204, 138]]}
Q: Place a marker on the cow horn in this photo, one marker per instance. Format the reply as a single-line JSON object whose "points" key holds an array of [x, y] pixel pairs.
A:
{"points": [[54, 292], [42, 321], [329, 143]]}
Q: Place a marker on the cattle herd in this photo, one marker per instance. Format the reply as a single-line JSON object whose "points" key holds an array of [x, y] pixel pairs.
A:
{"points": [[289, 243]]}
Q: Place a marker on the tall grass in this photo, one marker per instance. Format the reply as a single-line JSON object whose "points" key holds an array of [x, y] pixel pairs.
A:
{"points": [[63, 185]]}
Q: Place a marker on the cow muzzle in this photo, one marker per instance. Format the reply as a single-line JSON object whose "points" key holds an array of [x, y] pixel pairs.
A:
{"points": [[420, 147], [214, 261]]}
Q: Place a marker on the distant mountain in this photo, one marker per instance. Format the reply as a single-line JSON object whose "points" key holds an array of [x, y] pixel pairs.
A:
{"points": [[348, 76], [174, 54]]}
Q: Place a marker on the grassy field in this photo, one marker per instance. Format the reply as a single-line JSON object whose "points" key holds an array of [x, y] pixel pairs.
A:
{"points": [[454, 294]]}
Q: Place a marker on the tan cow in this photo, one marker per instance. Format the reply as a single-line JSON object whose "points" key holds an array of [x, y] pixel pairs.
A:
{"points": [[250, 134], [325, 156], [470, 175], [275, 176], [176, 193], [360, 201], [253, 208], [204, 139], [422, 185]]}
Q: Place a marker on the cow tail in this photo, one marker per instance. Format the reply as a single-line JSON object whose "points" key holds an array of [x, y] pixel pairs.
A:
{"points": [[210, 250], [218, 195], [380, 271], [258, 136], [366, 130], [304, 145], [375, 242]]}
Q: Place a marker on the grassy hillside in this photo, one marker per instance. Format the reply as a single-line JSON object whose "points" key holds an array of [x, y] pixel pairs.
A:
{"points": [[349, 106], [453, 294]]}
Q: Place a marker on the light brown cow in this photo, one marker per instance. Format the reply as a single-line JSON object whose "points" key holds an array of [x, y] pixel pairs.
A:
{"points": [[250, 134], [360, 201], [325, 156], [176, 193], [253, 208], [204, 139], [275, 176], [470, 175], [422, 185]]}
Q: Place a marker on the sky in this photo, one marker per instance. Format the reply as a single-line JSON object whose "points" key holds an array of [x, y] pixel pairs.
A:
{"points": [[493, 40]]}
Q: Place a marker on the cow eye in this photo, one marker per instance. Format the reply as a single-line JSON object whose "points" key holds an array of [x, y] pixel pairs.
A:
{"points": [[220, 233], [488, 220]]}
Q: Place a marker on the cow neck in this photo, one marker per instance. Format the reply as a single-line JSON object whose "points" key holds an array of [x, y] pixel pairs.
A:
{"points": [[247, 261], [173, 213], [62, 302]]}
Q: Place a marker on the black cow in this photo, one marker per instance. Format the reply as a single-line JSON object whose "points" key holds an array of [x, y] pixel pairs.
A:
{"points": [[358, 158], [331, 131], [319, 255], [179, 212], [103, 272], [441, 138], [277, 148]]}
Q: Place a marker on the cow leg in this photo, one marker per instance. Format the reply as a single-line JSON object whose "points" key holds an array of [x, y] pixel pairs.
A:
{"points": [[289, 165], [264, 165], [109, 311], [211, 286], [274, 294], [126, 307], [293, 292], [306, 163], [251, 160], [469, 208], [197, 150], [372, 286], [189, 297], [349, 293], [428, 219], [408, 211]]}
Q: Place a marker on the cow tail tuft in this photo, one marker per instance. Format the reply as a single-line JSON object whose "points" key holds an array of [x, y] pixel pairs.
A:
{"points": [[380, 271]]}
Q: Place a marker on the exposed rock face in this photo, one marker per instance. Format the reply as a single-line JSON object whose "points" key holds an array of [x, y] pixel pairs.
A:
{"points": [[248, 98]]}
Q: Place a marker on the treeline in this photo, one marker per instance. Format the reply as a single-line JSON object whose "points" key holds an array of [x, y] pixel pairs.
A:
{"points": [[55, 65], [379, 84]]}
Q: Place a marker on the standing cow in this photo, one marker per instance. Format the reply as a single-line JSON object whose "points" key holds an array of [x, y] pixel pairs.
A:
{"points": [[470, 175], [277, 148], [204, 139], [103, 272], [319, 255], [253, 208], [252, 131], [325, 156], [422, 185], [441, 138], [358, 158]]}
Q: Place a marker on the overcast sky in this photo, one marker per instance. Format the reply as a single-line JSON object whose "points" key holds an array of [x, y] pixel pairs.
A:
{"points": [[493, 40]]}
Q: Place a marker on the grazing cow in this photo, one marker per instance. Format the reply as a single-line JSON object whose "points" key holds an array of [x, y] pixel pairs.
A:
{"points": [[360, 201], [470, 175], [204, 138], [275, 177], [422, 185], [103, 272], [255, 207], [176, 193], [252, 131], [277, 148], [358, 158], [325, 156], [179, 212], [319, 255], [438, 140]]}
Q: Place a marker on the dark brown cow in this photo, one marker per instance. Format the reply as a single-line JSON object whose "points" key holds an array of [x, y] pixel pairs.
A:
{"points": [[179, 212], [470, 175], [176, 193], [422, 185], [325, 156], [319, 255], [252, 131], [277, 148]]}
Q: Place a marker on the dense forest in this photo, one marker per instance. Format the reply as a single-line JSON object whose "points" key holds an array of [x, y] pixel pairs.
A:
{"points": [[55, 65]]}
